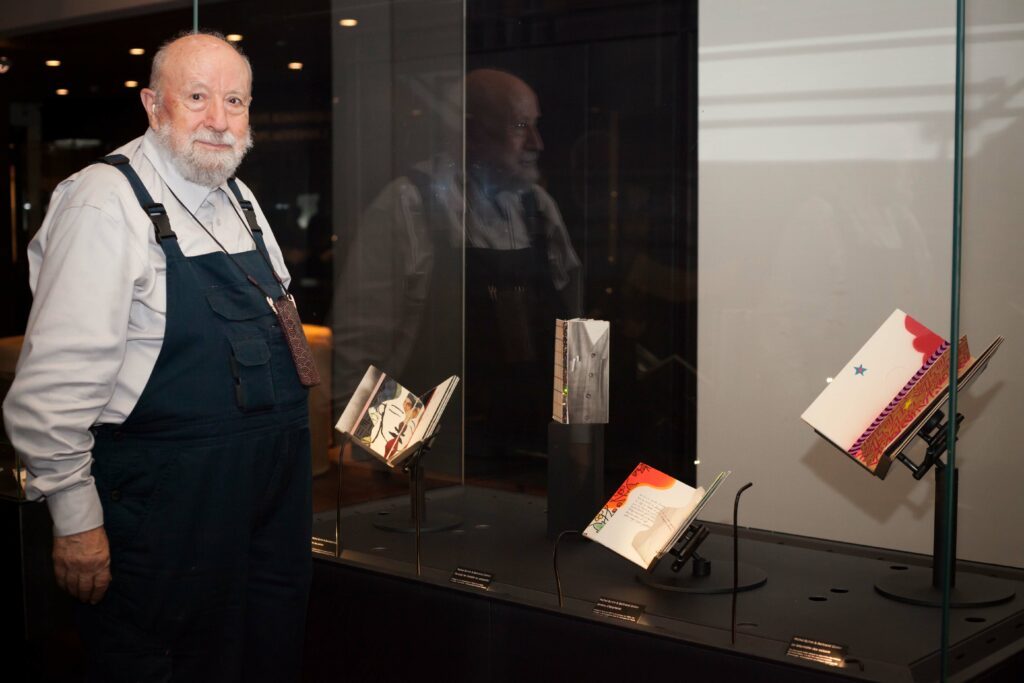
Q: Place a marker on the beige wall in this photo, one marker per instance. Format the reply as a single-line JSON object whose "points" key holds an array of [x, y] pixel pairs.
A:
{"points": [[826, 202]]}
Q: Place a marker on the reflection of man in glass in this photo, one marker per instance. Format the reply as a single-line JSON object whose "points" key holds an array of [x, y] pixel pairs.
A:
{"points": [[400, 295]]}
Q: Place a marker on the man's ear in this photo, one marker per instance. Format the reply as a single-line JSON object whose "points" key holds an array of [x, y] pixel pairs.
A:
{"points": [[149, 104]]}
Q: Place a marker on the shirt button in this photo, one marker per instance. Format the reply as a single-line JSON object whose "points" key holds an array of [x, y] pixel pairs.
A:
{"points": [[115, 495]]}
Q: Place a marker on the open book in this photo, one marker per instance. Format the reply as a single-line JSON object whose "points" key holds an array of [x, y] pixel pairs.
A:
{"points": [[648, 514], [389, 421], [898, 379]]}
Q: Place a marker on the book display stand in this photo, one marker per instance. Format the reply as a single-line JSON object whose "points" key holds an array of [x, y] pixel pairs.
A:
{"points": [[398, 428], [416, 523], [911, 584], [414, 520], [700, 580]]}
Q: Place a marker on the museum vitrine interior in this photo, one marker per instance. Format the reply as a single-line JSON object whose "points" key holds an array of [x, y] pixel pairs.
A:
{"points": [[737, 194]]}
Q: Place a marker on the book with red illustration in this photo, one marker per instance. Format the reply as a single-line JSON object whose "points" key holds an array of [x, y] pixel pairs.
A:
{"points": [[892, 385], [389, 421], [648, 514]]}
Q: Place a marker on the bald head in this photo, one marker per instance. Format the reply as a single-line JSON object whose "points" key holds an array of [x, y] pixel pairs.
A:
{"points": [[190, 46], [501, 125]]}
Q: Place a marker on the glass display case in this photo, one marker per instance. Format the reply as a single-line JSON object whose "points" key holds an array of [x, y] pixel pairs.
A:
{"points": [[743, 191]]}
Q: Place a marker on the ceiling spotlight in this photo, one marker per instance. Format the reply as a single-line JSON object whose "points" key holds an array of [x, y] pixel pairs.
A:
{"points": [[52, 62], [136, 51], [295, 66], [349, 23], [131, 84], [62, 91], [234, 37]]}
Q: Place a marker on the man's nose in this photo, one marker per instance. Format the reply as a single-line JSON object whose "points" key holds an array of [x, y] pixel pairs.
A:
{"points": [[216, 116], [534, 140]]}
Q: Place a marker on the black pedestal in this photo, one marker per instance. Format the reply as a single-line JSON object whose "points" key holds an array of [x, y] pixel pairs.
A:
{"points": [[913, 585], [716, 582], [575, 475], [402, 521]]}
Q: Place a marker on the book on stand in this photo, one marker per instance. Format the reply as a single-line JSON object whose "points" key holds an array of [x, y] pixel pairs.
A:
{"points": [[895, 382], [648, 514], [580, 394], [390, 422]]}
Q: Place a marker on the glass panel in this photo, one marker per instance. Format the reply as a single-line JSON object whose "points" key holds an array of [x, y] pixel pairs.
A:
{"points": [[567, 192], [448, 178]]}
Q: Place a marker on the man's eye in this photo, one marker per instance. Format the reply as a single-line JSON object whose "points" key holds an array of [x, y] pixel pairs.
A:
{"points": [[196, 97]]}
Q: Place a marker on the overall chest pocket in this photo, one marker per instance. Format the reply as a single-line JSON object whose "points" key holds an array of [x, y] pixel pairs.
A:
{"points": [[246, 315], [254, 379]]}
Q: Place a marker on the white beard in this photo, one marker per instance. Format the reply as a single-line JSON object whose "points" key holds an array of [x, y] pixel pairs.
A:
{"points": [[206, 167]]}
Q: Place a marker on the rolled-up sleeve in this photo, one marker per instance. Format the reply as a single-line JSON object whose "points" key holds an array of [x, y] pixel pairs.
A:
{"points": [[84, 269]]}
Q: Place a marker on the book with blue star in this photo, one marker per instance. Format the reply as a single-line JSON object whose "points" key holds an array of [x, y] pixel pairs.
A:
{"points": [[895, 381]]}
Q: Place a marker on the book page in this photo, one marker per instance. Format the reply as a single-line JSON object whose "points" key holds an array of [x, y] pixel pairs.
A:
{"points": [[643, 515], [863, 388], [358, 404]]}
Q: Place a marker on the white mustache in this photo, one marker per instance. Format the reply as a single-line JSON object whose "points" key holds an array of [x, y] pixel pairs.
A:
{"points": [[214, 138]]}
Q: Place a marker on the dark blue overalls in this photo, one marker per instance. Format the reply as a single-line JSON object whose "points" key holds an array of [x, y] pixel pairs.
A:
{"points": [[206, 488]]}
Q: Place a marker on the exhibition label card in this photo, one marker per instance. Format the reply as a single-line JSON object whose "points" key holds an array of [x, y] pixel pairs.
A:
{"points": [[472, 577], [619, 609], [818, 651], [325, 546]]}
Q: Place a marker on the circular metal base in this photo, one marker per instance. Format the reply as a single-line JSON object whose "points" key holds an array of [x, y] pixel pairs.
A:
{"points": [[401, 521], [719, 581], [914, 585]]}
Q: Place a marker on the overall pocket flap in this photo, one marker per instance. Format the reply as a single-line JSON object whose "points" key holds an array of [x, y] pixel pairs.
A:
{"points": [[250, 352], [238, 302]]}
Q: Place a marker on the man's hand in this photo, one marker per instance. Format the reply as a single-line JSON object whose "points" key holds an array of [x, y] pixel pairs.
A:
{"points": [[81, 563]]}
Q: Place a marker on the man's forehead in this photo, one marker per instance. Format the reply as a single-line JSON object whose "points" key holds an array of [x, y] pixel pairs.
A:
{"points": [[196, 63], [525, 107]]}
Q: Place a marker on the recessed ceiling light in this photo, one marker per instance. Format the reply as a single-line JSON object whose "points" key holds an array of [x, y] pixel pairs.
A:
{"points": [[295, 66], [349, 23], [52, 62], [131, 84], [234, 37], [62, 91], [136, 51]]}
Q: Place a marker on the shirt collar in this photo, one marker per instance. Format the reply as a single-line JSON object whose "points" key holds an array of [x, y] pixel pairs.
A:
{"points": [[190, 194]]}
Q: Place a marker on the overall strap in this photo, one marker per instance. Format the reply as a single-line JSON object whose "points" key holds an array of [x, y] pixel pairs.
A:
{"points": [[250, 213], [156, 212]]}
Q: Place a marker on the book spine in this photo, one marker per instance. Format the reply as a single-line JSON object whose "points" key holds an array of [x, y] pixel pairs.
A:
{"points": [[559, 404], [910, 403]]}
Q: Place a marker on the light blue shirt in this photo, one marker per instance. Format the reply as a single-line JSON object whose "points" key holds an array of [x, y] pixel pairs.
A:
{"points": [[98, 315]]}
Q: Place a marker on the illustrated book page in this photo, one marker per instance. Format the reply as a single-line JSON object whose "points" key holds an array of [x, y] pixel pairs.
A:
{"points": [[389, 421], [859, 392], [886, 389], [645, 516]]}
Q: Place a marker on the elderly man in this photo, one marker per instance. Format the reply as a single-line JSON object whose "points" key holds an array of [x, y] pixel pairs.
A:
{"points": [[156, 403]]}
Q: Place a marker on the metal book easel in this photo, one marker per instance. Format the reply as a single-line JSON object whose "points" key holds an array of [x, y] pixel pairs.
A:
{"points": [[912, 584]]}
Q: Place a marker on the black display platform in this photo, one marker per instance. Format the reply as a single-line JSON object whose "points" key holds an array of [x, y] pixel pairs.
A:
{"points": [[815, 589]]}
